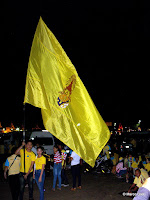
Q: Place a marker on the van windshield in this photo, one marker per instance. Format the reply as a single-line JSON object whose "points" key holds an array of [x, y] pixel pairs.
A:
{"points": [[43, 141]]}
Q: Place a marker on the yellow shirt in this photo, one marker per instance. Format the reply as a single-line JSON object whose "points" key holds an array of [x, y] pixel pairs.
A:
{"points": [[139, 181], [106, 151], [114, 161], [147, 166], [29, 157], [135, 164], [39, 162], [106, 148], [15, 168], [63, 162]]}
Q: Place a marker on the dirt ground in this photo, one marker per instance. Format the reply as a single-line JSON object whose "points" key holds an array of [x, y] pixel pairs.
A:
{"points": [[94, 187]]}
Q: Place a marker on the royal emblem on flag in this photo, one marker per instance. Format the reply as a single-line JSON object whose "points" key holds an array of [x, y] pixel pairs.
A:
{"points": [[65, 95]]}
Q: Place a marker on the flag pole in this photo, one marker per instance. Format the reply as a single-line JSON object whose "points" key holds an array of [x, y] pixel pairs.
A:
{"points": [[24, 121], [24, 130]]}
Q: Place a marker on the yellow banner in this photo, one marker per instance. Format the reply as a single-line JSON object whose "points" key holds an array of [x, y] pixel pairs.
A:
{"points": [[68, 111]]}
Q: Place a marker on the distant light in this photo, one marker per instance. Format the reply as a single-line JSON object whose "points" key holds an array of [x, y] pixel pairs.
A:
{"points": [[67, 151], [127, 147], [44, 130], [114, 124], [32, 138], [78, 124], [139, 121]]}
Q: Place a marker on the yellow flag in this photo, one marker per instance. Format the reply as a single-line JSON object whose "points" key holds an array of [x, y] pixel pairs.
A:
{"points": [[68, 112]]}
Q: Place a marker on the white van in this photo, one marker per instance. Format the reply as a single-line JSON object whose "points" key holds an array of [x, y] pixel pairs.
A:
{"points": [[44, 139]]}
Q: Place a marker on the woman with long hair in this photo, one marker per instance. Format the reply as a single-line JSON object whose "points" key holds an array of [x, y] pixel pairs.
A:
{"points": [[40, 163]]}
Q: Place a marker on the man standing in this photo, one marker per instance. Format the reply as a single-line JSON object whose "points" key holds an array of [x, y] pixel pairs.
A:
{"points": [[75, 168], [26, 168], [12, 165]]}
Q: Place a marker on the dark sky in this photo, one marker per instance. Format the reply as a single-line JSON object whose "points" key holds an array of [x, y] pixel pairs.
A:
{"points": [[107, 41]]}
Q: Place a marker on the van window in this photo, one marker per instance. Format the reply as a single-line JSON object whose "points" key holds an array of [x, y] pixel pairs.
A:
{"points": [[44, 141]]}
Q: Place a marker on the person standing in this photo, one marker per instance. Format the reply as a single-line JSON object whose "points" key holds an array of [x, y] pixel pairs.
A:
{"points": [[26, 168], [34, 148], [75, 169], [40, 162], [57, 167], [12, 165], [64, 179]]}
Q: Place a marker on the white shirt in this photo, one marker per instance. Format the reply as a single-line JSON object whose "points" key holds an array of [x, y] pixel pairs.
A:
{"points": [[76, 159], [34, 149]]}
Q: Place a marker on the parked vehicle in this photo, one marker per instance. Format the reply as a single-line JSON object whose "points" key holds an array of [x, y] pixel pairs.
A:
{"points": [[45, 139]]}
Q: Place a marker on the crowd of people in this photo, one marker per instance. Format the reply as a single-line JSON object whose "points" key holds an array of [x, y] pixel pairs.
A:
{"points": [[27, 164], [23, 166], [134, 169]]}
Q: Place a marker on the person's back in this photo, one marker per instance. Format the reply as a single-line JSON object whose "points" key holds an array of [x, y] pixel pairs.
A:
{"points": [[144, 173], [12, 165], [75, 168], [15, 167], [75, 160], [119, 167]]}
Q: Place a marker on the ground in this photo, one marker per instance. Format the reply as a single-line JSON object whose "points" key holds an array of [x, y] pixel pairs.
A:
{"points": [[94, 187]]}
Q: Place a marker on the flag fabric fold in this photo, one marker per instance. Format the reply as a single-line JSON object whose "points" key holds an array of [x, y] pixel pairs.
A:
{"points": [[68, 111]]}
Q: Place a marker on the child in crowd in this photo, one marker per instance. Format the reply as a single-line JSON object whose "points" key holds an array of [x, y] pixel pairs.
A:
{"points": [[40, 162]]}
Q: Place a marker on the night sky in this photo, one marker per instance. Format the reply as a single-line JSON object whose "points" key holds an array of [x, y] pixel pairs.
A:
{"points": [[107, 41]]}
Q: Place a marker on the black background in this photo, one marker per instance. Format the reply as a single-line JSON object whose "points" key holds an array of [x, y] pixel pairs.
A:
{"points": [[107, 41]]}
